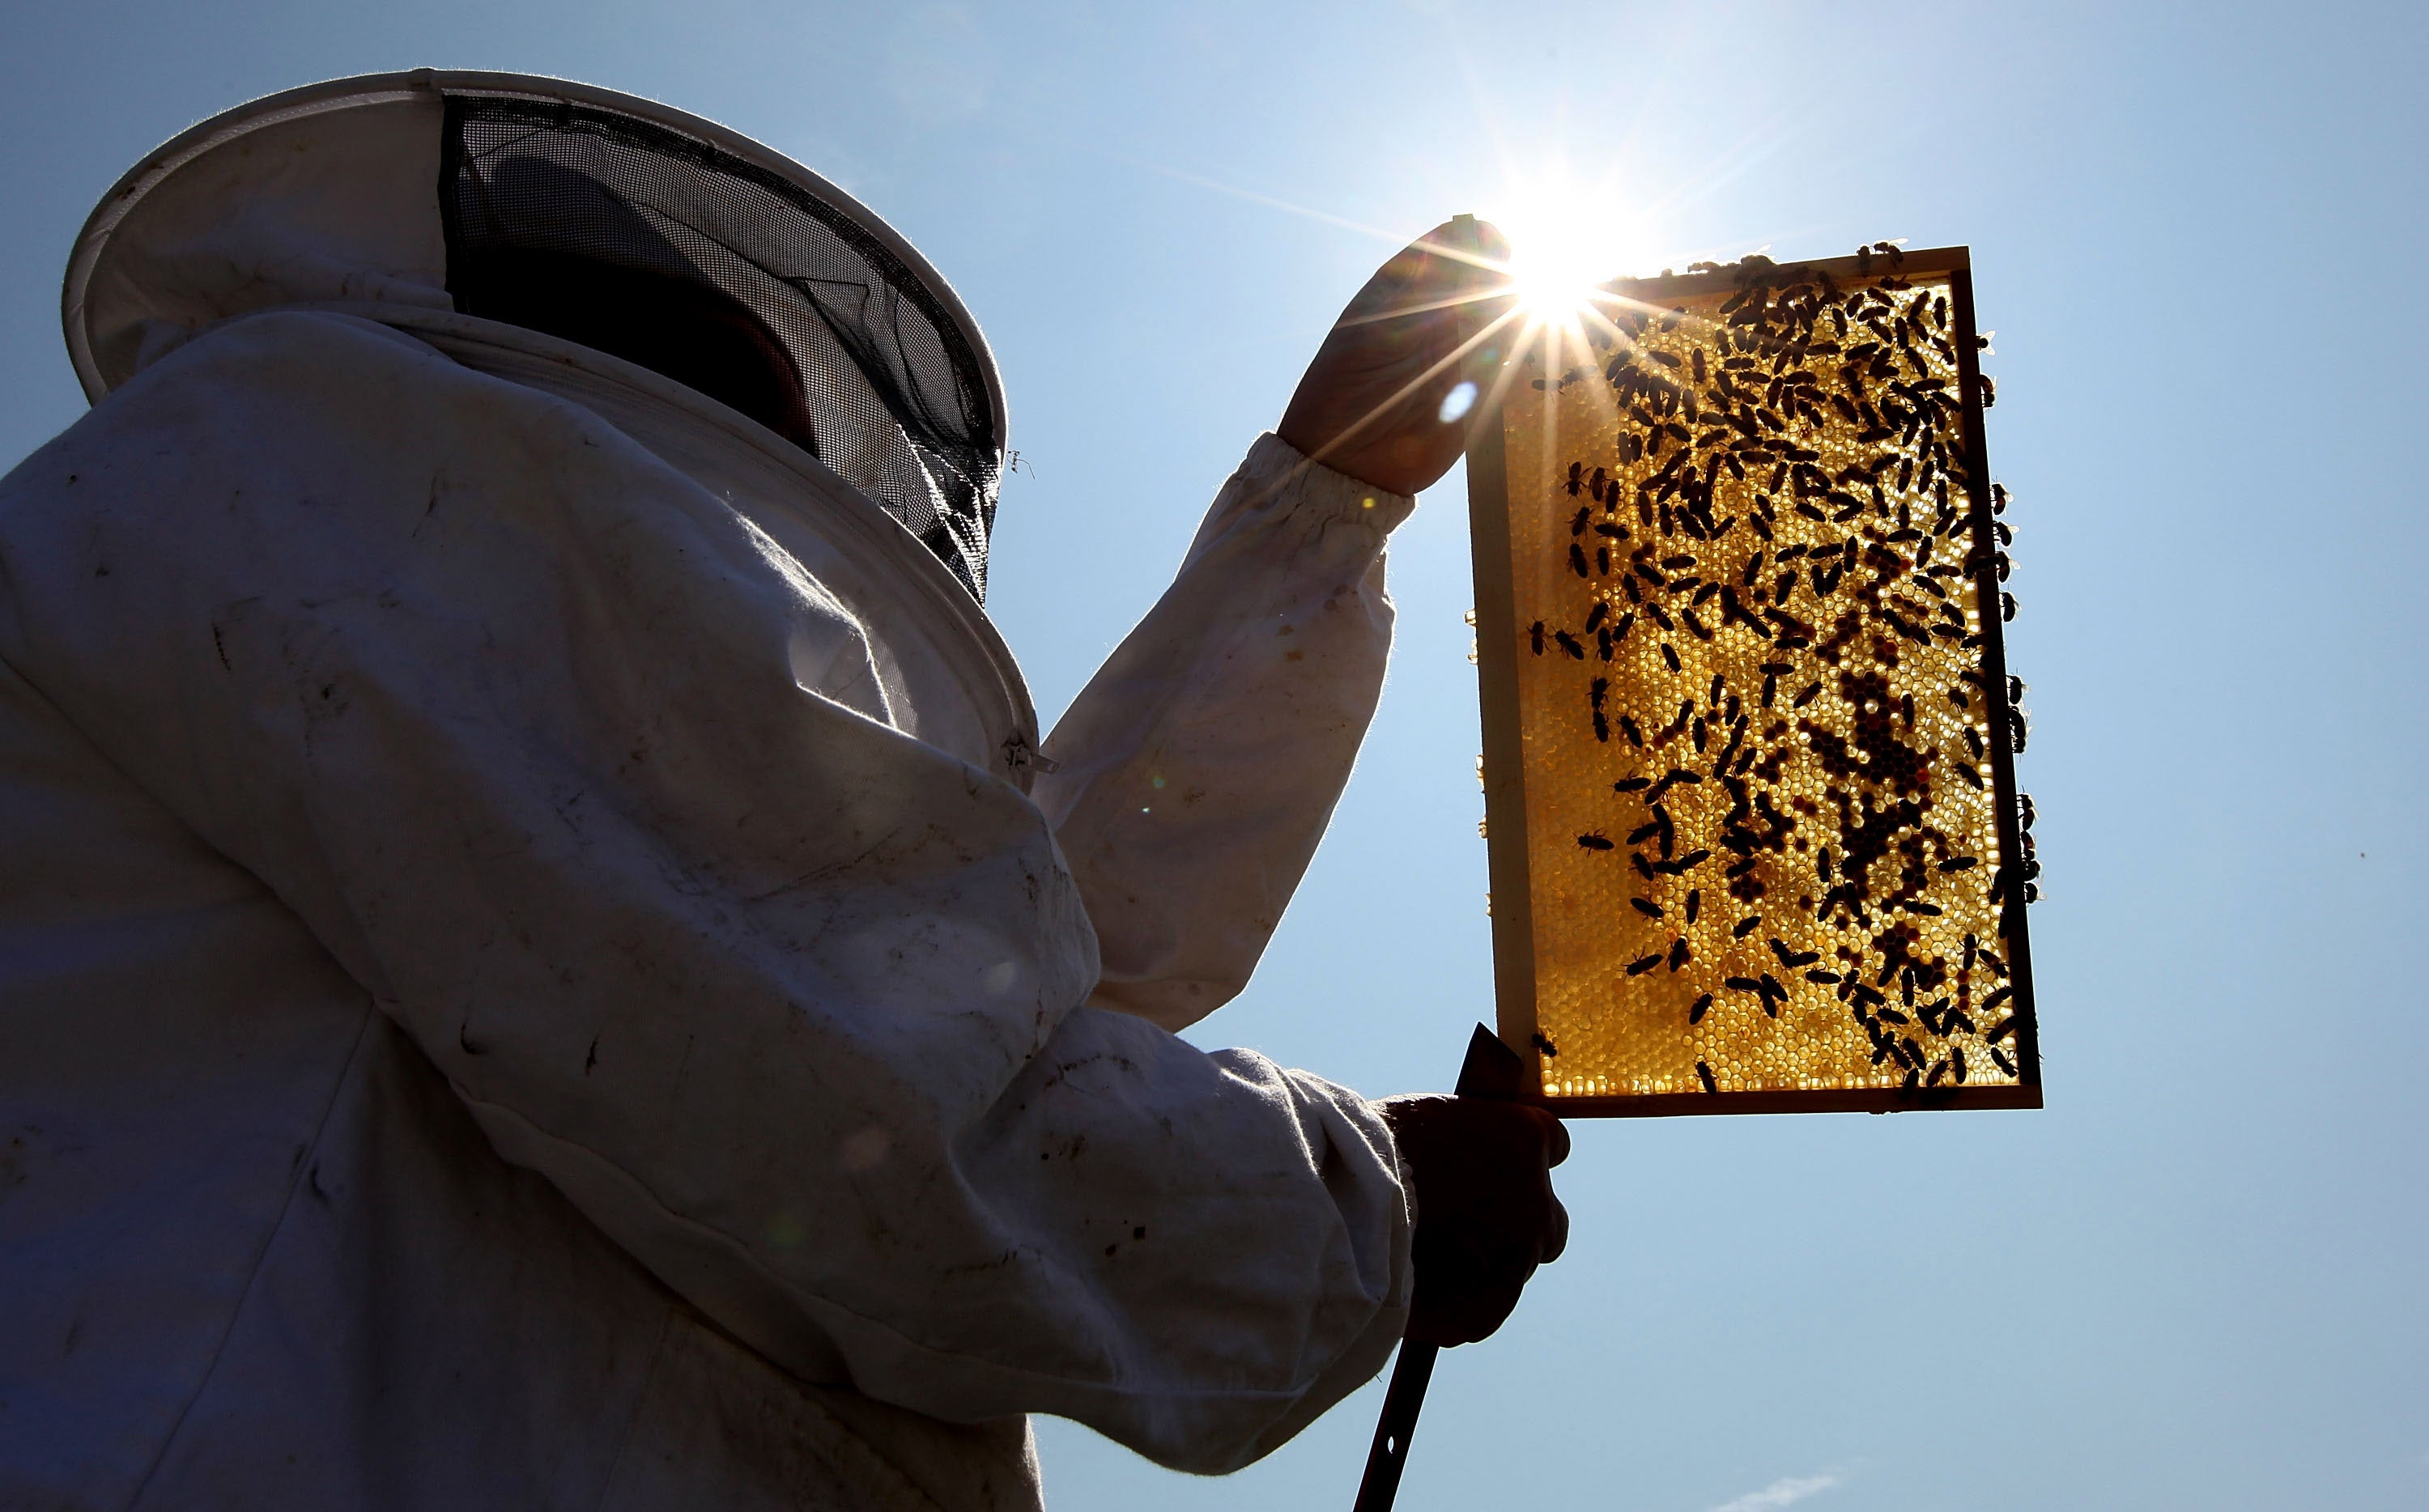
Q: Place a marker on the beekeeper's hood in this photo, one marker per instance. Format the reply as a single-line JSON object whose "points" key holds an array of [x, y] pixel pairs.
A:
{"points": [[614, 223]]}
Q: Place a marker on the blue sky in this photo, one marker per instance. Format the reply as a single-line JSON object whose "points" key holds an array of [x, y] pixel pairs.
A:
{"points": [[2195, 1279]]}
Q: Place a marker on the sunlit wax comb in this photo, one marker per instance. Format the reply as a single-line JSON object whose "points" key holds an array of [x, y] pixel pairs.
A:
{"points": [[1756, 841]]}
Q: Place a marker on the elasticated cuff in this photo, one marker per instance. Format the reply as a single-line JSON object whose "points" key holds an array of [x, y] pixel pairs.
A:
{"points": [[1275, 464]]}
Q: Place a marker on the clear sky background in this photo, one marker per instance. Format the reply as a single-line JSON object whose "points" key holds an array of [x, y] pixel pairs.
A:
{"points": [[2197, 1279]]}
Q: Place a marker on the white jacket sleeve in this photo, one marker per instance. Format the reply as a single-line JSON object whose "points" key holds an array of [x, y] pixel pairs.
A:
{"points": [[1196, 771], [786, 1001]]}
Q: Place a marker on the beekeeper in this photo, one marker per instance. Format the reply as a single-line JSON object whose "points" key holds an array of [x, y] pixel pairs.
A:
{"points": [[542, 963]]}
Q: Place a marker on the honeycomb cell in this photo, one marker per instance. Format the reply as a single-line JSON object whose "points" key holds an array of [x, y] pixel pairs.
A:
{"points": [[1756, 709]]}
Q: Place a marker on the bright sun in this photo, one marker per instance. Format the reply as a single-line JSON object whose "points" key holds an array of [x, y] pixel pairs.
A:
{"points": [[1561, 250], [1555, 278]]}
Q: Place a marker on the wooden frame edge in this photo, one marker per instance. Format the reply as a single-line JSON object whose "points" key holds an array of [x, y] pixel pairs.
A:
{"points": [[2015, 938], [1683, 285], [1830, 1100], [1503, 757]]}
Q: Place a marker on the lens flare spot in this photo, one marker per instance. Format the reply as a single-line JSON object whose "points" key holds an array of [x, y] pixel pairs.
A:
{"points": [[1458, 402]]}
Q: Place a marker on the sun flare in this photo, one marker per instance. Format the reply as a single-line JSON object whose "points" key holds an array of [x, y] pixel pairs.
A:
{"points": [[1562, 249], [1554, 277]]}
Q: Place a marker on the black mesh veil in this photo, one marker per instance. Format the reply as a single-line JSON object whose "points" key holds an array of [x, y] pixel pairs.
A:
{"points": [[880, 382]]}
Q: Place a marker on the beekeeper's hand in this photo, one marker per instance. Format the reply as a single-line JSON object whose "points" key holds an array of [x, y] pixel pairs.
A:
{"points": [[1486, 1216], [1371, 403]]}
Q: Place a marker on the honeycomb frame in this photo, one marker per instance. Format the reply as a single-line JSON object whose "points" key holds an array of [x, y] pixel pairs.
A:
{"points": [[1745, 855]]}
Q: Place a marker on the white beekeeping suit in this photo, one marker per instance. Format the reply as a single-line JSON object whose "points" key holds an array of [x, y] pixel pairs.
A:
{"points": [[533, 973]]}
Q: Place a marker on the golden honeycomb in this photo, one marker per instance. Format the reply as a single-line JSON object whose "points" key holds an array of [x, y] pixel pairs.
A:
{"points": [[1762, 714]]}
